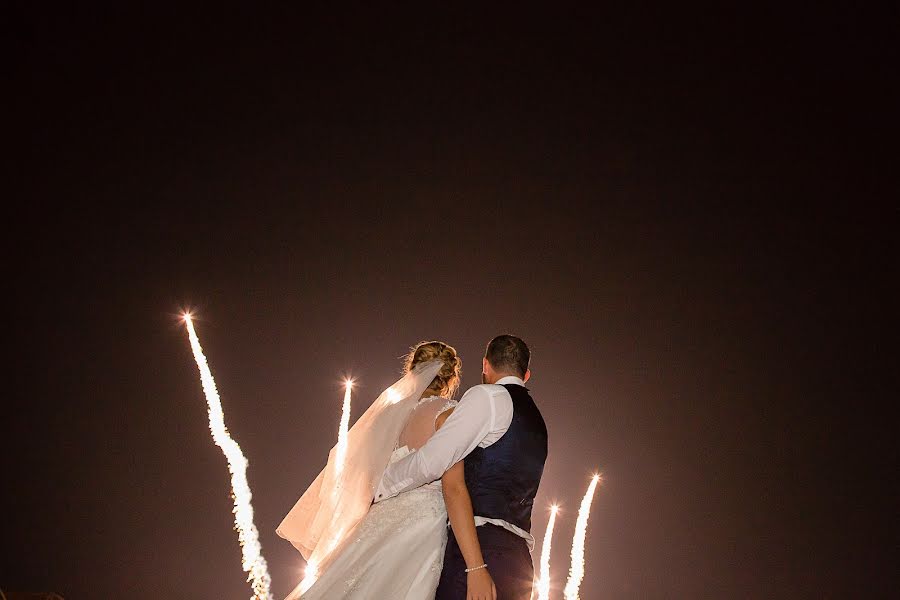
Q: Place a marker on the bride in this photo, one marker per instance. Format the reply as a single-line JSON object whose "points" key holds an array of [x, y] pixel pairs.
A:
{"points": [[392, 550]]}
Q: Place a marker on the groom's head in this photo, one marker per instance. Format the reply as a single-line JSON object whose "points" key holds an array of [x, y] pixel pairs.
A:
{"points": [[505, 355]]}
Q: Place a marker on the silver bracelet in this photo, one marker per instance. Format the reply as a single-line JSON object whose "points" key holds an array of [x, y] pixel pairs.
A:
{"points": [[484, 566]]}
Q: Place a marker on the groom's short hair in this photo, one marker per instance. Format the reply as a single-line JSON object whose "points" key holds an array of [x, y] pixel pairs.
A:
{"points": [[508, 353]]}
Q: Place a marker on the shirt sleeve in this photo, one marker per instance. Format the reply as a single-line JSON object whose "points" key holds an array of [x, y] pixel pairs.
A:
{"points": [[470, 422]]}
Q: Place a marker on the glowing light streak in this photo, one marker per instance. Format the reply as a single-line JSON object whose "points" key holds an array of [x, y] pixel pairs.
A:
{"points": [[344, 426], [311, 574], [576, 570], [253, 562], [543, 586]]}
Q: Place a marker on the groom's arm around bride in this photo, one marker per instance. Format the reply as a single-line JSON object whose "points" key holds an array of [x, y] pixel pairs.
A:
{"points": [[479, 584]]}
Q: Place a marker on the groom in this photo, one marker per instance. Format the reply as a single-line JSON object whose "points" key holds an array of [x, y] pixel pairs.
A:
{"points": [[499, 432]]}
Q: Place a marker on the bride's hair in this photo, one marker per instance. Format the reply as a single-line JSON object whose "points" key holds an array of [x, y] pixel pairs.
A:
{"points": [[446, 381]]}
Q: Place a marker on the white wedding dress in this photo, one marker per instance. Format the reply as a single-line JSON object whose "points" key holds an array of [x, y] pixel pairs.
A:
{"points": [[397, 551]]}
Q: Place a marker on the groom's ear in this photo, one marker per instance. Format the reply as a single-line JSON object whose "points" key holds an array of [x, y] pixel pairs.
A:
{"points": [[527, 376]]}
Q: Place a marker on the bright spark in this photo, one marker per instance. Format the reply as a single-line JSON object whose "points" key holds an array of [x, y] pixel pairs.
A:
{"points": [[310, 576], [543, 586], [253, 562], [576, 570], [393, 396], [342, 430]]}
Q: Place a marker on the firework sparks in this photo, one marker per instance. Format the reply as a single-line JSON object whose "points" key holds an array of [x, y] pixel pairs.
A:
{"points": [[253, 562], [311, 574], [393, 396], [576, 570], [342, 430], [544, 582]]}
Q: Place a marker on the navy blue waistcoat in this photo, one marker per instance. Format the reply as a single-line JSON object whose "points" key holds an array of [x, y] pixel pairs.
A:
{"points": [[503, 478]]}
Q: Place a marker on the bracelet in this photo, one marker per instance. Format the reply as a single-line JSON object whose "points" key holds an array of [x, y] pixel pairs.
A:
{"points": [[484, 566]]}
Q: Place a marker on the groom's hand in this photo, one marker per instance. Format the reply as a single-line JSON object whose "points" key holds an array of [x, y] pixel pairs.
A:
{"points": [[480, 586]]}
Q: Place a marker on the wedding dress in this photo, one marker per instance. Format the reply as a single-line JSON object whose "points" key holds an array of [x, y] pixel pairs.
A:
{"points": [[397, 550]]}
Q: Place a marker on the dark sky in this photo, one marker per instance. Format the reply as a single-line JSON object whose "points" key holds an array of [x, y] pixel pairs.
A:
{"points": [[678, 211]]}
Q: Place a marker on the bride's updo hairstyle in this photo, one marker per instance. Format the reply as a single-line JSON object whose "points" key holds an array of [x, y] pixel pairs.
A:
{"points": [[447, 380]]}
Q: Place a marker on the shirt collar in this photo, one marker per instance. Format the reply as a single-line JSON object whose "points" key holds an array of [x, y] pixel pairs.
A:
{"points": [[510, 379]]}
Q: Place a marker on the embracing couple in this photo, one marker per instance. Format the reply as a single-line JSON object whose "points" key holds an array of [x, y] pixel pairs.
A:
{"points": [[423, 458]]}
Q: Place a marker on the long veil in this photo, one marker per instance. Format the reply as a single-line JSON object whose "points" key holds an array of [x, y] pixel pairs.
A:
{"points": [[336, 501]]}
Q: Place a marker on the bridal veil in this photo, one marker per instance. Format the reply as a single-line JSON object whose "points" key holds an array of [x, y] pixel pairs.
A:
{"points": [[338, 499]]}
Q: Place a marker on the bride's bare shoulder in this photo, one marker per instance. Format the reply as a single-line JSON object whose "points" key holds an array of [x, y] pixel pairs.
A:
{"points": [[441, 418]]}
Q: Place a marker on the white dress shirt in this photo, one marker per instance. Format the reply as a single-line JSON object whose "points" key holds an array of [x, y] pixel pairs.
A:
{"points": [[481, 418]]}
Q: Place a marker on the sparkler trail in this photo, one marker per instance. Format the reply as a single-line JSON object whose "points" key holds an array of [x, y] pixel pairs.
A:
{"points": [[544, 582], [253, 562], [576, 570], [311, 574], [342, 431]]}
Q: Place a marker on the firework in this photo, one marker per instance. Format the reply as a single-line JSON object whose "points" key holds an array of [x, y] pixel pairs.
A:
{"points": [[544, 582], [576, 570], [253, 562], [342, 430]]}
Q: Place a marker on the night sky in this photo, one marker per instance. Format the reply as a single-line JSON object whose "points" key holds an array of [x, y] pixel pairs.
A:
{"points": [[678, 211]]}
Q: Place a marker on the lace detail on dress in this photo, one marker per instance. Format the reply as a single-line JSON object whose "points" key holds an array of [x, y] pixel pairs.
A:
{"points": [[399, 453], [444, 408], [425, 399]]}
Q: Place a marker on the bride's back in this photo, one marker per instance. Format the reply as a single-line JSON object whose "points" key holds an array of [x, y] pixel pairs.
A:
{"points": [[421, 423]]}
